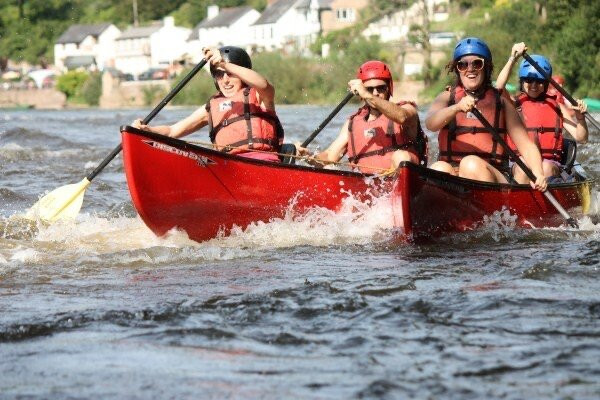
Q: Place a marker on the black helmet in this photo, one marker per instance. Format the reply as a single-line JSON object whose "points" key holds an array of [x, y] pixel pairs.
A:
{"points": [[234, 55]]}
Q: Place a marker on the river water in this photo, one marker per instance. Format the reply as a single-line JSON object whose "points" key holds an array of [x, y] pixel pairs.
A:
{"points": [[321, 306]]}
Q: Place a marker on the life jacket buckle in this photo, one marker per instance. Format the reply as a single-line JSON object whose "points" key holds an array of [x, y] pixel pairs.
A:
{"points": [[225, 122]]}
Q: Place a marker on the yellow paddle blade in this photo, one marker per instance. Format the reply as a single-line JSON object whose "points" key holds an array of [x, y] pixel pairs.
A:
{"points": [[62, 203]]}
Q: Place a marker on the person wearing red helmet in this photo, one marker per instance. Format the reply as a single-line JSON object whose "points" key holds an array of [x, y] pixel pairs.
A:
{"points": [[241, 116], [467, 148], [381, 134], [544, 115]]}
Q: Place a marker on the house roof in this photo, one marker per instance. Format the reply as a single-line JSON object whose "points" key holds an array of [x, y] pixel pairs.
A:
{"points": [[225, 18], [140, 31], [273, 12], [77, 33]]}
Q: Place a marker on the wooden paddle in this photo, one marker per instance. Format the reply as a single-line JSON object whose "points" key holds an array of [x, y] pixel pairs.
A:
{"points": [[326, 121], [559, 88], [570, 220], [65, 202]]}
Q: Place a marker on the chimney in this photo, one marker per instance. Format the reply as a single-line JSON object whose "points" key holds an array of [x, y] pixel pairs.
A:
{"points": [[169, 22], [212, 11]]}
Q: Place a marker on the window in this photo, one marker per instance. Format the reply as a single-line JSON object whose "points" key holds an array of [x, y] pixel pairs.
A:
{"points": [[346, 14]]}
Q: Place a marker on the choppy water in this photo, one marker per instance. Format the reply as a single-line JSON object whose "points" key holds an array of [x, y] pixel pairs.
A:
{"points": [[320, 306]]}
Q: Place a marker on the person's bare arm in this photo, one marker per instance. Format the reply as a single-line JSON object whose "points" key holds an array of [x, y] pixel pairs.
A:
{"points": [[527, 148], [576, 124], [440, 113], [517, 50], [190, 124], [266, 91]]}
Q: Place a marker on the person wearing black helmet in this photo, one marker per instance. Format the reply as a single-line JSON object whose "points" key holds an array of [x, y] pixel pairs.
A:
{"points": [[543, 114], [467, 148], [241, 117]]}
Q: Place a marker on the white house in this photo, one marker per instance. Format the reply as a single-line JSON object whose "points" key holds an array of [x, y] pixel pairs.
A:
{"points": [[395, 27], [289, 24], [87, 46], [154, 46], [222, 27]]}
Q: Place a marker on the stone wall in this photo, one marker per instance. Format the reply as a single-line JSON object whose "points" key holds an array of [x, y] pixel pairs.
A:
{"points": [[119, 94], [33, 98]]}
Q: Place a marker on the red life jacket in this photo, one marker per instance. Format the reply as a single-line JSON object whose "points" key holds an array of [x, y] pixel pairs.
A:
{"points": [[465, 135], [238, 124], [544, 123], [553, 92], [371, 143]]}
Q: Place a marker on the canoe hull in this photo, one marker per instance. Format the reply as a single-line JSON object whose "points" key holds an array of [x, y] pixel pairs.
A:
{"points": [[429, 203], [175, 184]]}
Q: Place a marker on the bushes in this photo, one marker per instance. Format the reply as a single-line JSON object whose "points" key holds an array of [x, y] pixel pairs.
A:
{"points": [[81, 87], [71, 82]]}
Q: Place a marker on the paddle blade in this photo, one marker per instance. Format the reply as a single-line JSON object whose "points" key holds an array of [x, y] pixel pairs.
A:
{"points": [[62, 203]]}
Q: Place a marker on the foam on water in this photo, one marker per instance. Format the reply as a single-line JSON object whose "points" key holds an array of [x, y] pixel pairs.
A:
{"points": [[90, 236]]}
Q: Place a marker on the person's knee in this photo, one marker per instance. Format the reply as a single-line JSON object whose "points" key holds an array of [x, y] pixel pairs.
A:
{"points": [[401, 155], [550, 169], [443, 166], [471, 166]]}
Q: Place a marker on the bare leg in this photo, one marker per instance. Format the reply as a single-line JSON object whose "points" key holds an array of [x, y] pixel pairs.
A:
{"points": [[403, 155], [473, 167], [550, 169], [443, 166]]}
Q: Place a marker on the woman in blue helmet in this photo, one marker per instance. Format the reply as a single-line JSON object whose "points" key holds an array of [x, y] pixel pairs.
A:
{"points": [[467, 148], [542, 113]]}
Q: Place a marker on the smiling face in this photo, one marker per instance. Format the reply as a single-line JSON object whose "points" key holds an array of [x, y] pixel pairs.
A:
{"points": [[229, 85], [533, 88], [471, 69]]}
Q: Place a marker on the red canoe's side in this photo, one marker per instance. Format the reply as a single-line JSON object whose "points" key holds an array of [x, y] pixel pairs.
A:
{"points": [[428, 203], [201, 191], [175, 184]]}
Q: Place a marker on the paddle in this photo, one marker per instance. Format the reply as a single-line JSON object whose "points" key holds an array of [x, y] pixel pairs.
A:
{"points": [[570, 220], [326, 121], [65, 202], [559, 88]]}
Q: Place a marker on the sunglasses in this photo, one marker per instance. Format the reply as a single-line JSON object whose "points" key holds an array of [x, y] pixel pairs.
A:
{"points": [[476, 64], [380, 88], [534, 80], [219, 74]]}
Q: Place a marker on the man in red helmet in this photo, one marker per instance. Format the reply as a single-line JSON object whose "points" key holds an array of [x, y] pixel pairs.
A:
{"points": [[381, 134]]}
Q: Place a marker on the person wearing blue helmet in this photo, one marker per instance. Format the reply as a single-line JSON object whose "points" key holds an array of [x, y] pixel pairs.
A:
{"points": [[467, 148], [544, 116]]}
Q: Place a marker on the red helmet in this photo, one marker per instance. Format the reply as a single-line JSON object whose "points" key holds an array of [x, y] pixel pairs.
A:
{"points": [[376, 70], [559, 79]]}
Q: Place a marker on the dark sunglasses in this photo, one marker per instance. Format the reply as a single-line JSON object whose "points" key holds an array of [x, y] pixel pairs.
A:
{"points": [[380, 88], [477, 64], [219, 73], [534, 80]]}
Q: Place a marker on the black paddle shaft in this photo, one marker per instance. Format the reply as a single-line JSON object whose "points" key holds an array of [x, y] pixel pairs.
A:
{"points": [[559, 88], [149, 117], [570, 220], [326, 121]]}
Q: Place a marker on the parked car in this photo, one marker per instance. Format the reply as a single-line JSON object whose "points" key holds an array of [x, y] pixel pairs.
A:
{"points": [[153, 73]]}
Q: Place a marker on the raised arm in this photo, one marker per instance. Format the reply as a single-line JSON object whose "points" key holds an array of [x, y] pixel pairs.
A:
{"points": [[517, 51], [266, 91]]}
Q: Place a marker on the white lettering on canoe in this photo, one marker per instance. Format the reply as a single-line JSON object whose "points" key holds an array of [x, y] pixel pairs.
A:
{"points": [[201, 160]]}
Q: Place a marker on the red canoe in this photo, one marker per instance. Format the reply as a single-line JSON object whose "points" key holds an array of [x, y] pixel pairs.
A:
{"points": [[175, 184]]}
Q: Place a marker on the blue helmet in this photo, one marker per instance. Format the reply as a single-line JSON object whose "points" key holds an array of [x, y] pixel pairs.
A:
{"points": [[472, 45], [527, 70]]}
